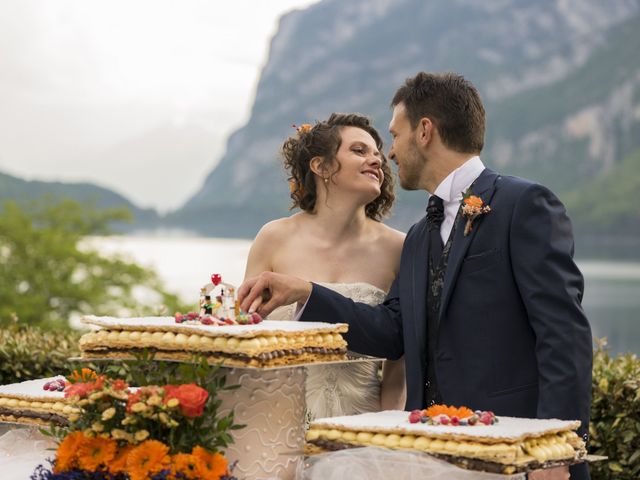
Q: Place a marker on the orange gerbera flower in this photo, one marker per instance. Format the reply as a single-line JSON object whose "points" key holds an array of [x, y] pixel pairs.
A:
{"points": [[119, 462], [67, 453], [214, 464], [151, 456], [95, 452], [435, 410], [189, 465]]}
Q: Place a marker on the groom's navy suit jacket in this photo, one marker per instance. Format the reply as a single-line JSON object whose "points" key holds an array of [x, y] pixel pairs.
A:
{"points": [[512, 336]]}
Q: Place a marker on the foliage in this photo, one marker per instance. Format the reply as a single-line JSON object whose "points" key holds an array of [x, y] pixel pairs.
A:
{"points": [[615, 415], [29, 352], [47, 277], [607, 203]]}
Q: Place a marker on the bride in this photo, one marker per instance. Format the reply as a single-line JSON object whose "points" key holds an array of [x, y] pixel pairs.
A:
{"points": [[341, 181]]}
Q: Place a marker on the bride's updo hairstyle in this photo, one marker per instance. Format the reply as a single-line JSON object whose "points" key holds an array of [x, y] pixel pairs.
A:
{"points": [[323, 140]]}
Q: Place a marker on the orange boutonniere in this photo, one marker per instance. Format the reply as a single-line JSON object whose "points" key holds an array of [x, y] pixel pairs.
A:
{"points": [[472, 207]]}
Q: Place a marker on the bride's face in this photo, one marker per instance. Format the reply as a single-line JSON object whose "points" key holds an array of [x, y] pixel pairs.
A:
{"points": [[360, 164]]}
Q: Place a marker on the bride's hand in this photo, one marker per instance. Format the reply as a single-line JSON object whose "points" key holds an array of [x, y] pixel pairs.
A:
{"points": [[268, 291]]}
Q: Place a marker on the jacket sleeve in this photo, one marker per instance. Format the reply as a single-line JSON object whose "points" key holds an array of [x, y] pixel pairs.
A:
{"points": [[373, 330], [551, 287]]}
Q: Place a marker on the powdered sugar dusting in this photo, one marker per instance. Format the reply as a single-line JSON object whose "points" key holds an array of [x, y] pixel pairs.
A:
{"points": [[32, 389], [392, 421]]}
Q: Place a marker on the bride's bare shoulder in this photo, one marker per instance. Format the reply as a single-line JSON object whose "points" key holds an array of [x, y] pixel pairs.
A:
{"points": [[278, 230], [390, 236]]}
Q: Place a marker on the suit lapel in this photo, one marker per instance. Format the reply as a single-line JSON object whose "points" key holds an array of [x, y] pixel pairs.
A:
{"points": [[483, 187], [421, 247]]}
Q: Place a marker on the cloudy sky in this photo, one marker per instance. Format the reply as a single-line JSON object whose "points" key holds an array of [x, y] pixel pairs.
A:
{"points": [[135, 95]]}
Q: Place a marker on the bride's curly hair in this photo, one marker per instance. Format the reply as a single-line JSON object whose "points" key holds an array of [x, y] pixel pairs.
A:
{"points": [[323, 140]]}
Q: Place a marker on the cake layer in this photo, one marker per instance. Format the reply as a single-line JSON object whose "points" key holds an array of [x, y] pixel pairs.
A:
{"points": [[27, 402], [281, 359], [513, 444], [269, 343]]}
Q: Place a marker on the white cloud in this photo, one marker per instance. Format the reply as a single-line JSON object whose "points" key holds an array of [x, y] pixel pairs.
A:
{"points": [[82, 77]]}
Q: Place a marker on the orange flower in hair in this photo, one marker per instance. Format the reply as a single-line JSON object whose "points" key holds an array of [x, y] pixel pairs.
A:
{"points": [[304, 128]]}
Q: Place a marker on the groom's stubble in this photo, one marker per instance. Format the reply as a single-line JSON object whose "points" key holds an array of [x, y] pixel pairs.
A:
{"points": [[411, 168]]}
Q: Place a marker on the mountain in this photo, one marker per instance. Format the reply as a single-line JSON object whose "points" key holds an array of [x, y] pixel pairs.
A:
{"points": [[22, 191], [560, 81]]}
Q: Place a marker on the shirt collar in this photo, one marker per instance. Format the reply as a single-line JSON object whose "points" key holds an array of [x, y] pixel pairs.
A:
{"points": [[458, 181]]}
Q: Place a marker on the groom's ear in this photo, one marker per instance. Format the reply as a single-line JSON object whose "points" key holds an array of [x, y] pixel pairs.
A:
{"points": [[424, 131]]}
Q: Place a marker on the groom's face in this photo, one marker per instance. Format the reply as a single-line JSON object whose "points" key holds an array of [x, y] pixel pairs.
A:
{"points": [[404, 149]]}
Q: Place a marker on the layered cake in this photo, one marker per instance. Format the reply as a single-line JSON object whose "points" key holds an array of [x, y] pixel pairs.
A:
{"points": [[265, 344], [36, 402], [499, 445]]}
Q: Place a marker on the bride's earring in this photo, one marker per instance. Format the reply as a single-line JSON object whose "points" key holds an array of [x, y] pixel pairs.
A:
{"points": [[326, 180]]}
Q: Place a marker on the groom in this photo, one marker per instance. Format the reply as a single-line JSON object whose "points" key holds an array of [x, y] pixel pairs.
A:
{"points": [[486, 306]]}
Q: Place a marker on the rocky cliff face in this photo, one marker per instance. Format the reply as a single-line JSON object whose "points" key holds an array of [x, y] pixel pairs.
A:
{"points": [[560, 80]]}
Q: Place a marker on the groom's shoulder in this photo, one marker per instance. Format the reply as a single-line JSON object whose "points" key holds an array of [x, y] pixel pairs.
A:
{"points": [[515, 187]]}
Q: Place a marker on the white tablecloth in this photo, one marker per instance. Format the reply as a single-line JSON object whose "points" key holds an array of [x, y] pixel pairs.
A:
{"points": [[21, 451]]}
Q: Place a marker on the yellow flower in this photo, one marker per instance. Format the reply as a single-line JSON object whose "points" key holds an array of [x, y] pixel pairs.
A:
{"points": [[154, 400], [141, 435], [164, 418], [118, 434], [138, 407], [97, 427], [173, 403], [148, 457], [96, 452], [108, 414], [128, 420]]}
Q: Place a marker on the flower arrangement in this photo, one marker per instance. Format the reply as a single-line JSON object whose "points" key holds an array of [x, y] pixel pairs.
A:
{"points": [[147, 433]]}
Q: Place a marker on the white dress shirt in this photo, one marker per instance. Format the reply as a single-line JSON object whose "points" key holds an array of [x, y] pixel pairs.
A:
{"points": [[451, 190]]}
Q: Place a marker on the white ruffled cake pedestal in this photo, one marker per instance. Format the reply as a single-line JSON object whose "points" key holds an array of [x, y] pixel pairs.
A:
{"points": [[22, 449], [271, 403], [372, 463]]}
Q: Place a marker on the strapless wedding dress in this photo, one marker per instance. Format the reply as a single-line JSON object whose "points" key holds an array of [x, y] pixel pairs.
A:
{"points": [[349, 389]]}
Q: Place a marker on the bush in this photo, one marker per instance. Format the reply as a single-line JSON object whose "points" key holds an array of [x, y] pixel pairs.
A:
{"points": [[615, 415], [28, 352], [48, 278]]}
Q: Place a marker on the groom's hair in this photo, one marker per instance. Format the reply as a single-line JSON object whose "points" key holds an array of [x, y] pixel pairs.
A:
{"points": [[451, 102], [323, 140]]}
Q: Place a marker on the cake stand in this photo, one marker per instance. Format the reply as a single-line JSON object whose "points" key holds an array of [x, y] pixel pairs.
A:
{"points": [[271, 403]]}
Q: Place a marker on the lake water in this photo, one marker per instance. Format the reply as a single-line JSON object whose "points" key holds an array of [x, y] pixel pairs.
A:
{"points": [[611, 298]]}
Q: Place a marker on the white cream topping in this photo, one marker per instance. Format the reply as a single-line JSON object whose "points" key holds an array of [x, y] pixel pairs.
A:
{"points": [[32, 389], [266, 327], [509, 428]]}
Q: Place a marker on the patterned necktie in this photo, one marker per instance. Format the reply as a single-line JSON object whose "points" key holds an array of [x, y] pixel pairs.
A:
{"points": [[435, 216]]}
